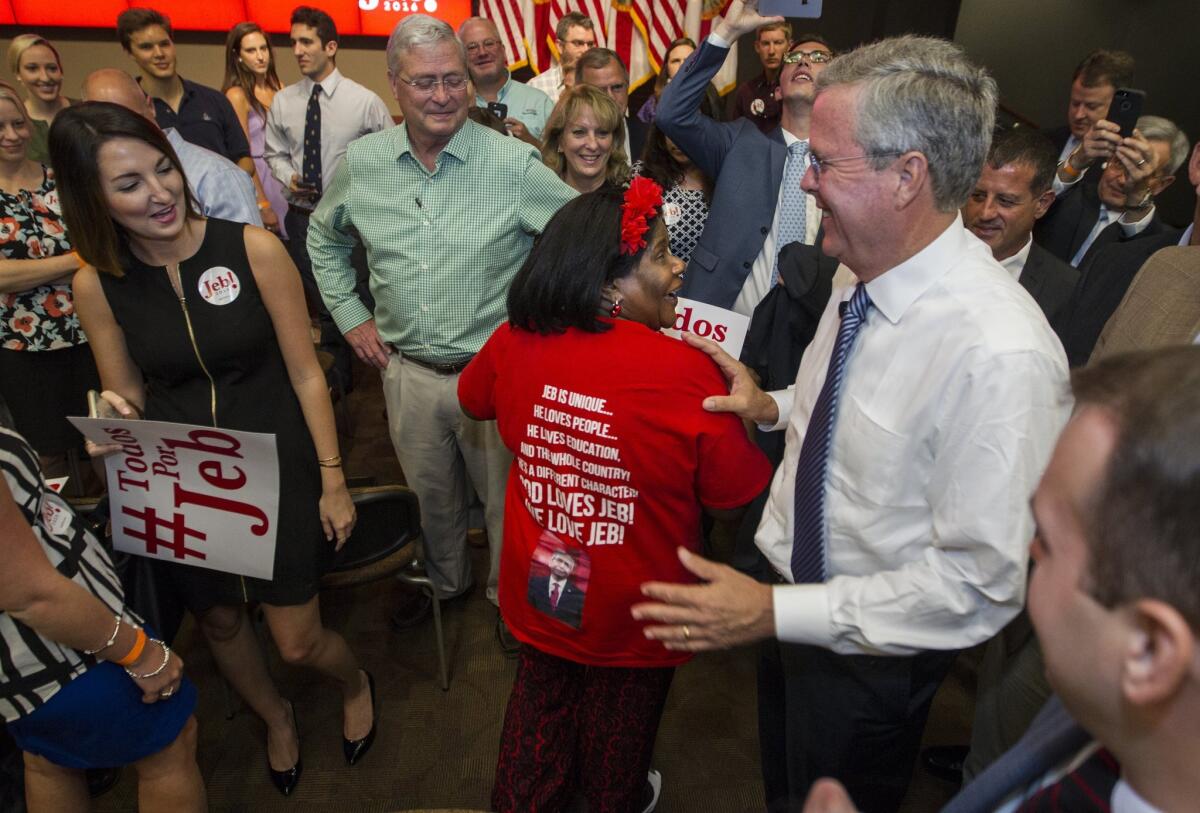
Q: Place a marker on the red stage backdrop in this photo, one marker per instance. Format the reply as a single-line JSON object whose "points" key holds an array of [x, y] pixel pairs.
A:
{"points": [[376, 17]]}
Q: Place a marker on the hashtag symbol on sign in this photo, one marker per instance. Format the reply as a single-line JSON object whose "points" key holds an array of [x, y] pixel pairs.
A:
{"points": [[177, 533]]}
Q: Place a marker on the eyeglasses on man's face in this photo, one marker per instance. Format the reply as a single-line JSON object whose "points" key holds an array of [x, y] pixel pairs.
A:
{"points": [[817, 162], [486, 45], [817, 57], [427, 85]]}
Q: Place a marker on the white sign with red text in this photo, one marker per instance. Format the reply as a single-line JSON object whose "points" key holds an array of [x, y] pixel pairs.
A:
{"points": [[726, 328], [191, 494]]}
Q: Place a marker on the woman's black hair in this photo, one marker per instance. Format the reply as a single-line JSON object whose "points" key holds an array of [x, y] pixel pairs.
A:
{"points": [[661, 167], [562, 281], [76, 136]]}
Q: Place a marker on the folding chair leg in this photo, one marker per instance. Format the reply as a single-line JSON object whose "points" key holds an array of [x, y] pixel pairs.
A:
{"points": [[426, 586]]}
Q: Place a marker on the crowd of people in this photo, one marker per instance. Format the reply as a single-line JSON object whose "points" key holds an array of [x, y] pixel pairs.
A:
{"points": [[919, 282]]}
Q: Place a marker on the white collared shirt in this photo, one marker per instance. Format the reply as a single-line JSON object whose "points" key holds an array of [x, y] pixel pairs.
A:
{"points": [[348, 111], [1058, 186], [1016, 263], [1186, 239], [953, 396], [553, 582]]}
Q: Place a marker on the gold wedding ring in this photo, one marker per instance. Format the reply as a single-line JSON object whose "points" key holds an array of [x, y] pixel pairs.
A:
{"points": [[687, 634]]}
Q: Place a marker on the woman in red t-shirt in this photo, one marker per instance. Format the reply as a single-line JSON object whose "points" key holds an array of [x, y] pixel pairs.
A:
{"points": [[614, 460]]}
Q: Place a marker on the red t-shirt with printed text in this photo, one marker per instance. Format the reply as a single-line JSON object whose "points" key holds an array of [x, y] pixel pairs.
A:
{"points": [[614, 458]]}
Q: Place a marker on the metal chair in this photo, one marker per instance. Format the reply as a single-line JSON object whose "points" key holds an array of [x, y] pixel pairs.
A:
{"points": [[384, 543]]}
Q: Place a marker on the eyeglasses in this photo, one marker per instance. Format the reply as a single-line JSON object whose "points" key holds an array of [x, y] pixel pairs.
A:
{"points": [[427, 85], [815, 57], [486, 45], [817, 163]]}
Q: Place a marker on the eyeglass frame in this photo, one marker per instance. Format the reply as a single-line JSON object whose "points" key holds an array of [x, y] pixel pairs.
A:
{"points": [[435, 83], [815, 162], [800, 56], [488, 44]]}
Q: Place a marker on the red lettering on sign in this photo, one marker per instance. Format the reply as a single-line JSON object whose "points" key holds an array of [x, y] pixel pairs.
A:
{"points": [[177, 529]]}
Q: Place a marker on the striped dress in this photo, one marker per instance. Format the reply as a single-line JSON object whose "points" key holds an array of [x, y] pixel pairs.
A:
{"points": [[34, 668]]}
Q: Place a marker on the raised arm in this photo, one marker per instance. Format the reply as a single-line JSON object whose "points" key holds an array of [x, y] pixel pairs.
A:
{"points": [[703, 140]]}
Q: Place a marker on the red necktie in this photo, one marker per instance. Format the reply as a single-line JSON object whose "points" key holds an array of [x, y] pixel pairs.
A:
{"points": [[554, 596]]}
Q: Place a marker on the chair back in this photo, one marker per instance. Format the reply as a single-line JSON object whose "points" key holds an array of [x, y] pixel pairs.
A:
{"points": [[384, 537]]}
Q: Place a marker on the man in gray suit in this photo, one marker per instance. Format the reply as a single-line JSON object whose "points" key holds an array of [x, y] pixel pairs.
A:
{"points": [[1113, 599], [1012, 193], [757, 204]]}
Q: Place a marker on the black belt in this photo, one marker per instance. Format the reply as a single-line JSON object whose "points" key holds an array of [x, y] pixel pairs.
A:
{"points": [[440, 368], [300, 210]]}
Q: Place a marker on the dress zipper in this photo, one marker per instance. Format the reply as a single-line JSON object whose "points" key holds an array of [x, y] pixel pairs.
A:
{"points": [[176, 279]]}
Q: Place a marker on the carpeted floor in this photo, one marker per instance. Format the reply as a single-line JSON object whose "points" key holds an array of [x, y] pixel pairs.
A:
{"points": [[437, 749]]}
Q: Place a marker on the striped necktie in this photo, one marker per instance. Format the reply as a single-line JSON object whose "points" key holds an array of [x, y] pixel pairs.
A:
{"points": [[808, 541]]}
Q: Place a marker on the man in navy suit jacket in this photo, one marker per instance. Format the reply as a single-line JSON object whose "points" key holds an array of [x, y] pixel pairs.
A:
{"points": [[733, 263], [1114, 602]]}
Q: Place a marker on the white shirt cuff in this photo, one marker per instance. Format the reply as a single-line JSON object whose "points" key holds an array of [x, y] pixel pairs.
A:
{"points": [[802, 614], [719, 41], [1059, 185], [783, 402], [1138, 226]]}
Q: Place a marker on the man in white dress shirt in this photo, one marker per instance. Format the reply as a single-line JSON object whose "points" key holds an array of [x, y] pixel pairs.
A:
{"points": [[897, 527], [574, 35], [304, 152]]}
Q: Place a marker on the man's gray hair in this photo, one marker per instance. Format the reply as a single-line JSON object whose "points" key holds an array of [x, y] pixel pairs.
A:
{"points": [[418, 31], [1156, 128], [922, 94]]}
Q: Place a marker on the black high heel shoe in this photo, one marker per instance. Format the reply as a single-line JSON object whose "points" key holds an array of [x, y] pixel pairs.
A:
{"points": [[285, 781], [354, 750]]}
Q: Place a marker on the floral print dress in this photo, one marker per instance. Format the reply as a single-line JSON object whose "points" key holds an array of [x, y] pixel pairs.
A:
{"points": [[31, 228]]}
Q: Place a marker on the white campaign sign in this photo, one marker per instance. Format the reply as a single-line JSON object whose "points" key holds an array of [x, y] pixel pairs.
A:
{"points": [[726, 328], [191, 494]]}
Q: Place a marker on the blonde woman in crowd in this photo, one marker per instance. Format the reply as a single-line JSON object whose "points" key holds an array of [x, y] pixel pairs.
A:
{"points": [[250, 85], [40, 337], [36, 65], [585, 142]]}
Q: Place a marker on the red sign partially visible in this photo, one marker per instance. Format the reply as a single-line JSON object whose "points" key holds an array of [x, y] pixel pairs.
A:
{"points": [[372, 17]]}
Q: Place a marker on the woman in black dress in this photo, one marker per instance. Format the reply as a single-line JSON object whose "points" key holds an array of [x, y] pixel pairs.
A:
{"points": [[174, 346]]}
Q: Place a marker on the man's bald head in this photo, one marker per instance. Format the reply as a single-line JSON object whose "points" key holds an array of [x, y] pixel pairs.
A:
{"points": [[116, 86]]}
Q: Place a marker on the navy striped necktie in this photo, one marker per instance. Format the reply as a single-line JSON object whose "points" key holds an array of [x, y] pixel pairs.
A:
{"points": [[808, 540]]}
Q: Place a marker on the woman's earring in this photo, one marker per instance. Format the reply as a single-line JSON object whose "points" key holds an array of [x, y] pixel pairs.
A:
{"points": [[615, 310]]}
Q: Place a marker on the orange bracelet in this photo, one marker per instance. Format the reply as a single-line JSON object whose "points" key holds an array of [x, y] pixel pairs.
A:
{"points": [[135, 651]]}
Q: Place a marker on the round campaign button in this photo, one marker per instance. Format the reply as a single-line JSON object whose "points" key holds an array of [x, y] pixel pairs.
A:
{"points": [[758, 107], [219, 285], [671, 213]]}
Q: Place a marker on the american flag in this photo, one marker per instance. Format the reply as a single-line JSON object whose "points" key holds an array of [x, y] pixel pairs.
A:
{"points": [[638, 30]]}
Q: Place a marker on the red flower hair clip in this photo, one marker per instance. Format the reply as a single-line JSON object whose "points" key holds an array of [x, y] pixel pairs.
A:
{"points": [[643, 197]]}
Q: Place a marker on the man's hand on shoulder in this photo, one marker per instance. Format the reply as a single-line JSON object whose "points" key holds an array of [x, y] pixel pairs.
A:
{"points": [[741, 17], [745, 399]]}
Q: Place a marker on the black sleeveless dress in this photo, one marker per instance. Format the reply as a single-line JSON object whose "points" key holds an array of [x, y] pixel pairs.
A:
{"points": [[249, 390]]}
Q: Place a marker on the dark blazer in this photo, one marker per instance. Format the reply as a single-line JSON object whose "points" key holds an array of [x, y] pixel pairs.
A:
{"points": [[1059, 137], [570, 601], [1105, 277], [746, 167], [1049, 280], [638, 130], [1062, 230]]}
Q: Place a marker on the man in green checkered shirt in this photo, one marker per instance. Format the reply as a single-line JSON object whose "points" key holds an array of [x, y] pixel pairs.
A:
{"points": [[447, 210]]}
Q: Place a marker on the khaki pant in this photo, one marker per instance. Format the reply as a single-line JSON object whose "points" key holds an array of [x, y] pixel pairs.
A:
{"points": [[441, 450]]}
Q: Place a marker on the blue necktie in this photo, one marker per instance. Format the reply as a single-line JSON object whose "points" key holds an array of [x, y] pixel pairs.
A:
{"points": [[311, 171], [808, 541], [792, 220]]}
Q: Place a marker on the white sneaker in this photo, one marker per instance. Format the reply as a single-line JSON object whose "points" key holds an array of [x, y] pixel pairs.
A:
{"points": [[654, 780]]}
